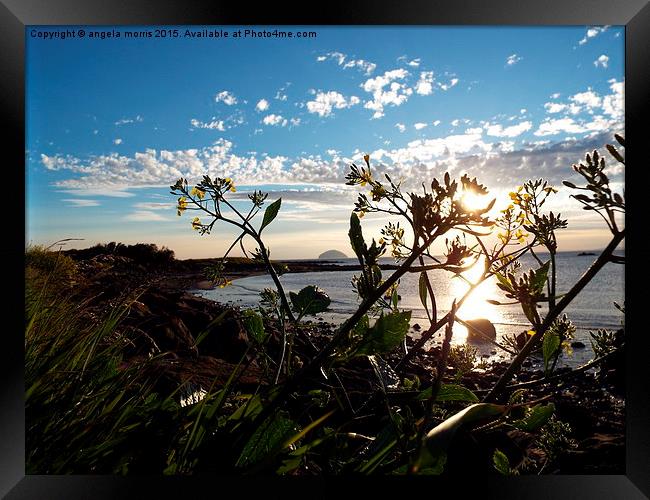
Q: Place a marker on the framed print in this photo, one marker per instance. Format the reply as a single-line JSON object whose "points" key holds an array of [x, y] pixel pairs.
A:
{"points": [[316, 250]]}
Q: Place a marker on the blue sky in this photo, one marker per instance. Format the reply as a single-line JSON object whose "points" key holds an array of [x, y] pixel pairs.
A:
{"points": [[112, 122]]}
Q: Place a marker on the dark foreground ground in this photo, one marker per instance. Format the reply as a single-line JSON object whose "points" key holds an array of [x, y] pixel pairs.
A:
{"points": [[166, 318]]}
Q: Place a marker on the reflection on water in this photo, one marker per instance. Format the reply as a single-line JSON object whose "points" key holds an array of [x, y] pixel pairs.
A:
{"points": [[475, 305], [592, 309]]}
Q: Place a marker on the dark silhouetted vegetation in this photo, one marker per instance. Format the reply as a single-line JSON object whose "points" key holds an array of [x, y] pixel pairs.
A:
{"points": [[356, 400]]}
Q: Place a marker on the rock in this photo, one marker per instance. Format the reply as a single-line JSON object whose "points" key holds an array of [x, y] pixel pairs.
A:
{"points": [[333, 255], [486, 328], [578, 345]]}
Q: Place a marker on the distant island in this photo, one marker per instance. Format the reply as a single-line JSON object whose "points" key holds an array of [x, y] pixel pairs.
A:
{"points": [[333, 254], [585, 253]]}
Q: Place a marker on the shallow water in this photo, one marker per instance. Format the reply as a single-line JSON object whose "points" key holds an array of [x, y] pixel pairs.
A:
{"points": [[591, 310]]}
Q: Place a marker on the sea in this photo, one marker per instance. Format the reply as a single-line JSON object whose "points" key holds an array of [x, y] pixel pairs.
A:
{"points": [[591, 310]]}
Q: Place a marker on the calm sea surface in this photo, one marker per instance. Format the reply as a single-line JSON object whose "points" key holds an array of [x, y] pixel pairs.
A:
{"points": [[591, 310]]}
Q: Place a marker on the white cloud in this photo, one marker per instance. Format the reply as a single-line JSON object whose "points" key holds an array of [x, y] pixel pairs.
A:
{"points": [[436, 123], [213, 125], [555, 96], [342, 60], [395, 95], [125, 121], [475, 130], [590, 99], [604, 113], [593, 32], [146, 205], [295, 122], [226, 97], [613, 104], [513, 59], [274, 120], [117, 141], [262, 105], [419, 125], [512, 131], [495, 163], [602, 61], [400, 126], [81, 203], [144, 216], [455, 123], [570, 126], [280, 95], [325, 102], [555, 107], [424, 86], [447, 86], [414, 63]]}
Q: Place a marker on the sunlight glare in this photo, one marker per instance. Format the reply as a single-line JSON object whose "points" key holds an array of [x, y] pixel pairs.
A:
{"points": [[476, 305], [474, 201]]}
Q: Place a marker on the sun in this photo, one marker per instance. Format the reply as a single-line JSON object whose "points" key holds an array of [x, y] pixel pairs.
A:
{"points": [[473, 201]]}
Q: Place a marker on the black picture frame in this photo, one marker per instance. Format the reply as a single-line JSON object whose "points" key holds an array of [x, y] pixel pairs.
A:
{"points": [[16, 14]]}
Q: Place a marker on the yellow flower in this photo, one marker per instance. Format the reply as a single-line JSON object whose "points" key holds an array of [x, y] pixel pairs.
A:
{"points": [[361, 214], [530, 332], [196, 223], [225, 283], [229, 184], [365, 177], [199, 193], [550, 189], [521, 236], [182, 205], [566, 345]]}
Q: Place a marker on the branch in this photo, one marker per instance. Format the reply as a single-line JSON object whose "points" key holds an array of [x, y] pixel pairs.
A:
{"points": [[515, 365]]}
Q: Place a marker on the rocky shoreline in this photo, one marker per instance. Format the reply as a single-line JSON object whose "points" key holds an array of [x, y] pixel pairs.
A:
{"points": [[162, 317]]}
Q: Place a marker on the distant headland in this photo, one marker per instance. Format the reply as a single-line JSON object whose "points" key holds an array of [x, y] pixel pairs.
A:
{"points": [[333, 254]]}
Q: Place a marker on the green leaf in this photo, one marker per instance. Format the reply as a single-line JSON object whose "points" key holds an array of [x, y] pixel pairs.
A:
{"points": [[356, 236], [310, 300], [387, 333], [539, 277], [538, 416], [362, 326], [267, 439], [530, 311], [437, 440], [254, 325], [505, 282], [423, 288], [449, 392], [501, 462], [271, 213], [550, 345]]}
